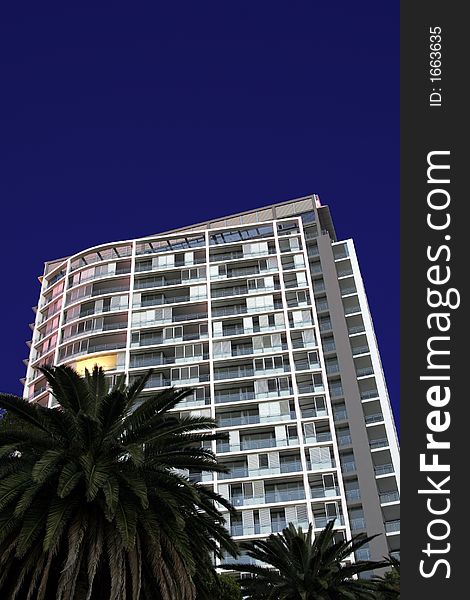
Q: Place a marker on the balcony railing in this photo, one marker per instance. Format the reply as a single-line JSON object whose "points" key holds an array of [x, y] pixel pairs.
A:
{"points": [[321, 492], [284, 496], [255, 444], [167, 300], [392, 526], [353, 495], [348, 467], [233, 373], [234, 473], [304, 365], [368, 394], [324, 436], [340, 415], [310, 389], [233, 291], [383, 469], [308, 413], [344, 440], [156, 361], [381, 443], [321, 522], [358, 523], [389, 497], [329, 464], [356, 329], [221, 397], [234, 421], [349, 310], [360, 350], [376, 418], [364, 371], [336, 391], [285, 467], [142, 284]]}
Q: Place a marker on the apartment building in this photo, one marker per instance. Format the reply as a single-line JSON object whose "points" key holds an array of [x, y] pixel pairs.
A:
{"points": [[265, 316]]}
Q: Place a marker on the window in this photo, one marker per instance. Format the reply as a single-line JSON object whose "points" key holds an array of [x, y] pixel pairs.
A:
{"points": [[185, 373], [263, 461], [189, 352], [270, 363]]}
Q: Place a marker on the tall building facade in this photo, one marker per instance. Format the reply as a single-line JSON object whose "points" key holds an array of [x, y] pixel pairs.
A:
{"points": [[265, 316]]}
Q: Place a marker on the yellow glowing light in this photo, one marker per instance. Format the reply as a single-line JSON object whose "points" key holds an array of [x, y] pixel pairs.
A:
{"points": [[107, 362]]}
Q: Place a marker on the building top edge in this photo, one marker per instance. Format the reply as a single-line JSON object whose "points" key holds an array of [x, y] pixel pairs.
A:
{"points": [[51, 265]]}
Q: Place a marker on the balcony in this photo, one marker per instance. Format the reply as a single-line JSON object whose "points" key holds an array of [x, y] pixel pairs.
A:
{"points": [[389, 497], [329, 347], [148, 303], [146, 266], [235, 421], [155, 282], [284, 496], [360, 350], [357, 523], [349, 310], [97, 292], [284, 467], [344, 440], [392, 526], [368, 394], [336, 391], [340, 415], [321, 492], [324, 436], [379, 443], [353, 495], [103, 347], [308, 413], [233, 396], [94, 330], [375, 418], [153, 361], [310, 388], [321, 522], [325, 325], [232, 291], [348, 467], [304, 365], [234, 373], [347, 290], [256, 444], [384, 469], [364, 371], [356, 329], [235, 473]]}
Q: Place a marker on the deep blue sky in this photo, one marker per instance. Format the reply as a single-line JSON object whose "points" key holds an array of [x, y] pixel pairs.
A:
{"points": [[122, 121]]}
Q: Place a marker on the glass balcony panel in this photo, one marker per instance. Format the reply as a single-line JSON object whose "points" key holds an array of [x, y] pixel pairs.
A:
{"points": [[389, 497]]}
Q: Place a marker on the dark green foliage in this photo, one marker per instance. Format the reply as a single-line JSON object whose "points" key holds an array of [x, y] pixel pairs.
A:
{"points": [[388, 586], [91, 504], [300, 566]]}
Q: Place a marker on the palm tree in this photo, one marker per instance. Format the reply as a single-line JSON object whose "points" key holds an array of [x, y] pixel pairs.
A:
{"points": [[388, 585], [300, 566], [93, 502]]}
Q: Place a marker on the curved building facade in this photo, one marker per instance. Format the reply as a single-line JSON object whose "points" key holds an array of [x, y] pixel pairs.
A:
{"points": [[264, 315]]}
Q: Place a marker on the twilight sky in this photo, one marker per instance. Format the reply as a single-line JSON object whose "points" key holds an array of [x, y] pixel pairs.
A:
{"points": [[123, 120]]}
